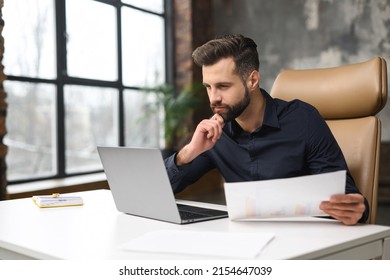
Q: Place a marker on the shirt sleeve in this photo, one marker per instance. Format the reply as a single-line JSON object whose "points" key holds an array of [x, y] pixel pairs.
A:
{"points": [[185, 175], [325, 155]]}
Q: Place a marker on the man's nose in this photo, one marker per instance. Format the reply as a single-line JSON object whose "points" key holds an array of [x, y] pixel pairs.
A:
{"points": [[214, 95]]}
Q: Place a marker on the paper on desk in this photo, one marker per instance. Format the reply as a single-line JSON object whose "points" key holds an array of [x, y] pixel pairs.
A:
{"points": [[218, 244], [291, 197]]}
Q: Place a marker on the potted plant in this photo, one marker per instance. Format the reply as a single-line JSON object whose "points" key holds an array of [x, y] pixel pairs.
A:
{"points": [[177, 108]]}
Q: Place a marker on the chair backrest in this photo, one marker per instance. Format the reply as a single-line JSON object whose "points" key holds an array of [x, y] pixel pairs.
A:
{"points": [[348, 97]]}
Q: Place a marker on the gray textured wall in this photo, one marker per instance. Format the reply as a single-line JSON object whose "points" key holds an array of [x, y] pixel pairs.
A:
{"points": [[310, 34]]}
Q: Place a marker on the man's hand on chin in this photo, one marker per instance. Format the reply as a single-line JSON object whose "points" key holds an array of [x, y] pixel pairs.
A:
{"points": [[206, 134]]}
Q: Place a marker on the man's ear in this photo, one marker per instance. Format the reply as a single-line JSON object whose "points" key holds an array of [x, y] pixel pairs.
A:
{"points": [[253, 80]]}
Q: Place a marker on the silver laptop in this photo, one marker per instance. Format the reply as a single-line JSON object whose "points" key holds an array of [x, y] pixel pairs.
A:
{"points": [[140, 186]]}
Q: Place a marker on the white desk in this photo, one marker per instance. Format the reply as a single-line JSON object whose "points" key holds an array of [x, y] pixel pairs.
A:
{"points": [[97, 231]]}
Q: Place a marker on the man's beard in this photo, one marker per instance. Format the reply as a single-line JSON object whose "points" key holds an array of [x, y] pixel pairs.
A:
{"points": [[233, 111]]}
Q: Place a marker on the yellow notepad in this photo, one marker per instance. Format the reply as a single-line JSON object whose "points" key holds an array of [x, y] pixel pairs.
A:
{"points": [[57, 200]]}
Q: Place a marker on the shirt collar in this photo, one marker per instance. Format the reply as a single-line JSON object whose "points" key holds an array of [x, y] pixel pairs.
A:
{"points": [[270, 115]]}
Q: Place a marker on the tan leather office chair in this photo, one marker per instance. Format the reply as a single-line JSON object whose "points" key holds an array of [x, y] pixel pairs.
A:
{"points": [[348, 98]]}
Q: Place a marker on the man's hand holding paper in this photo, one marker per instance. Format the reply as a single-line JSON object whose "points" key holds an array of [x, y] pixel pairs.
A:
{"points": [[290, 197], [348, 208]]}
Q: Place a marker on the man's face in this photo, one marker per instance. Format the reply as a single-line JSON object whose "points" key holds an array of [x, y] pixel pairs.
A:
{"points": [[228, 96]]}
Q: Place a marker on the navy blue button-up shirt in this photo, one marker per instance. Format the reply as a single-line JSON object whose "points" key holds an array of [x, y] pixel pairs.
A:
{"points": [[293, 140]]}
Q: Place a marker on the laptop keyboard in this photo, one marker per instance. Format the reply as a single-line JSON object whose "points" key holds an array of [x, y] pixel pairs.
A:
{"points": [[192, 212]]}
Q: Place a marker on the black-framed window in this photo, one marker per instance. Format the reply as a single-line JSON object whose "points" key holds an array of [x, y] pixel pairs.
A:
{"points": [[76, 70]]}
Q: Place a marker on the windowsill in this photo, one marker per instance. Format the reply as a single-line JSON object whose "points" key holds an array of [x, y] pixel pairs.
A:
{"points": [[70, 184]]}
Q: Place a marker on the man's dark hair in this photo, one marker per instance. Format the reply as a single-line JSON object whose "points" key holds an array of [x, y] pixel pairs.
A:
{"points": [[241, 49]]}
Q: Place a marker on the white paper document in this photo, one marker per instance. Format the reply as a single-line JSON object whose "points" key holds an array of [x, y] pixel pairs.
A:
{"points": [[290, 197], [217, 244]]}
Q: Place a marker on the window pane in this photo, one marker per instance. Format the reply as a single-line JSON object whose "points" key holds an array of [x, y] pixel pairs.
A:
{"points": [[151, 5], [92, 40], [143, 48], [90, 120], [143, 121], [29, 38], [31, 130]]}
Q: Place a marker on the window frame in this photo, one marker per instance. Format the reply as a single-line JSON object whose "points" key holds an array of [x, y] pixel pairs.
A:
{"points": [[63, 79]]}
